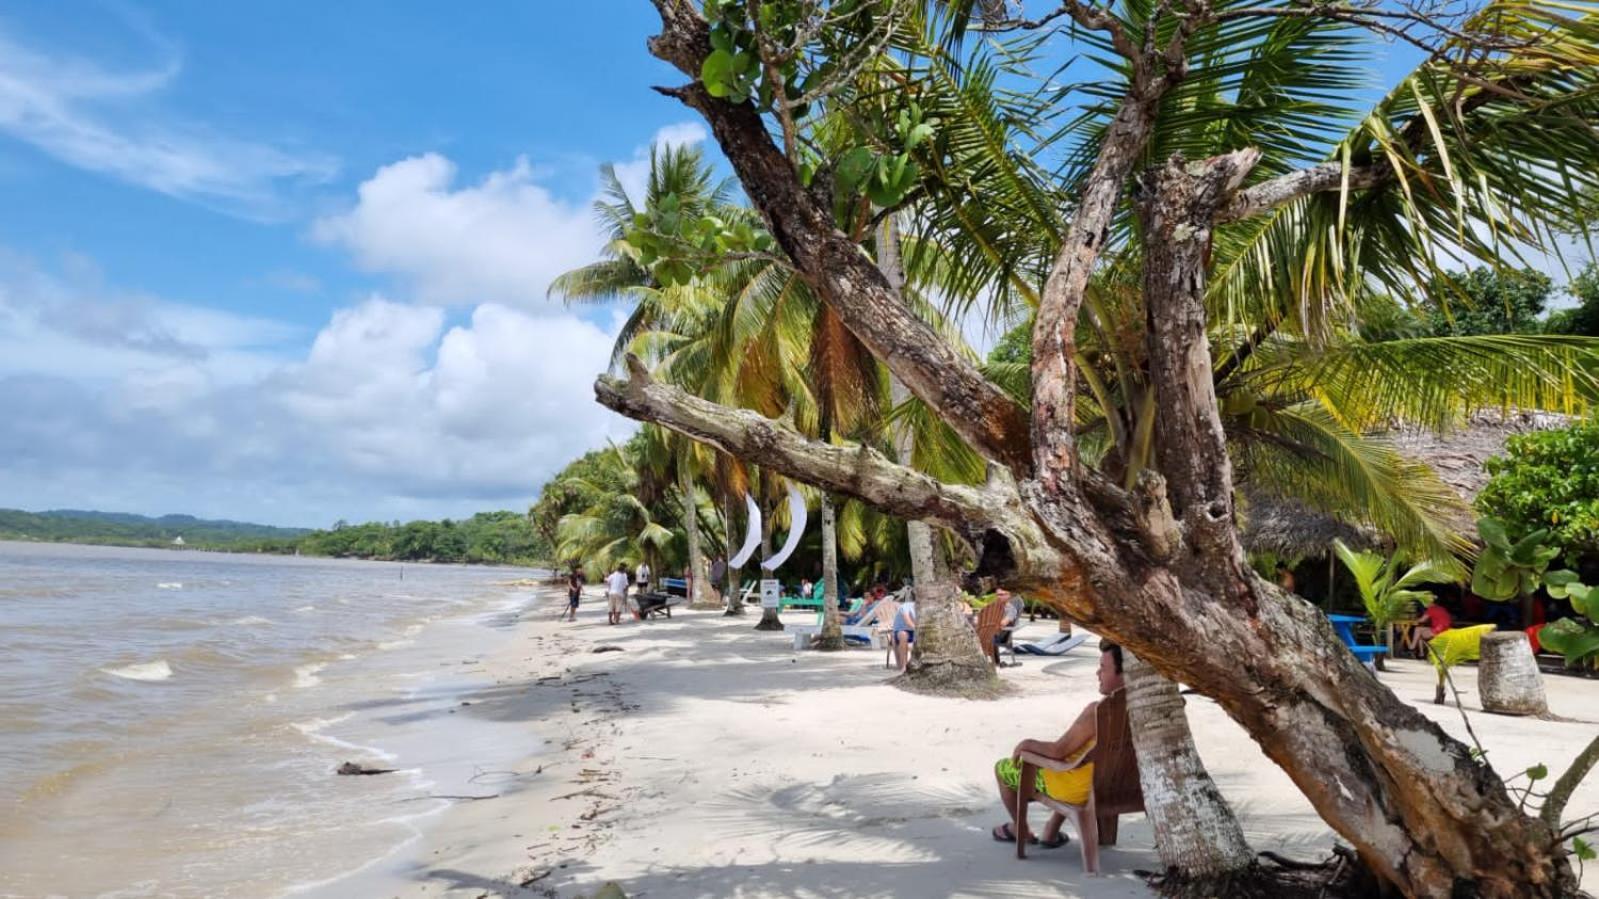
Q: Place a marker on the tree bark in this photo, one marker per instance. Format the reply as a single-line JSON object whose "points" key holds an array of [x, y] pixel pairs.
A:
{"points": [[1507, 677], [1196, 833], [940, 663], [691, 528], [1555, 805], [832, 636], [730, 593], [1162, 576]]}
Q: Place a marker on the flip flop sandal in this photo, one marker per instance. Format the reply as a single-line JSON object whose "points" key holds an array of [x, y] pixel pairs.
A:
{"points": [[1060, 840], [1004, 834]]}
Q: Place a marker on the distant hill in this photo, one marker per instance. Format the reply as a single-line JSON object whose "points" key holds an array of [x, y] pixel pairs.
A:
{"points": [[123, 529]]}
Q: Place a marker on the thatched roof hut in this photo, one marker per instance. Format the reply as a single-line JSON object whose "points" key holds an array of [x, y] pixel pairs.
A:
{"points": [[1287, 528]]}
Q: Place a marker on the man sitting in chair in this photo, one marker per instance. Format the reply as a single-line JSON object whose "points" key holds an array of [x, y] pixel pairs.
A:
{"points": [[1074, 786]]}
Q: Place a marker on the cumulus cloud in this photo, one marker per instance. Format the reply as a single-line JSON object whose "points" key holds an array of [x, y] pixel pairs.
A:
{"points": [[391, 412], [111, 122], [502, 239]]}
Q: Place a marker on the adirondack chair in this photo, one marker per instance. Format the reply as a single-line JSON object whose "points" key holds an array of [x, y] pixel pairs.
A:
{"points": [[1116, 790], [988, 627]]}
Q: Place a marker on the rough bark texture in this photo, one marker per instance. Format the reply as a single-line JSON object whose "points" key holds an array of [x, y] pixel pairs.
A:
{"points": [[1158, 568], [1555, 805], [946, 657], [832, 635], [1196, 833], [691, 527], [1507, 676]]}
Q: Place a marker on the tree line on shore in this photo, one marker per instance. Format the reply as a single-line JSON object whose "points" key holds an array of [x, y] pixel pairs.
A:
{"points": [[499, 538]]}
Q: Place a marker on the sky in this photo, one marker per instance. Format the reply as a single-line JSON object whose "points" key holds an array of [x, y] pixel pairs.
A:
{"points": [[287, 262]]}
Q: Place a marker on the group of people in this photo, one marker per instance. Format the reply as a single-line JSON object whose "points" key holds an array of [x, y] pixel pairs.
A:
{"points": [[616, 590]]}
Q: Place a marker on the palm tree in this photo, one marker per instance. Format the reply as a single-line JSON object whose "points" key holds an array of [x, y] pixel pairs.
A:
{"points": [[618, 525]]}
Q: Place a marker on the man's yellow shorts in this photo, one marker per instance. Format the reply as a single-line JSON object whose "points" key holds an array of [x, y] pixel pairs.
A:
{"points": [[1071, 787]]}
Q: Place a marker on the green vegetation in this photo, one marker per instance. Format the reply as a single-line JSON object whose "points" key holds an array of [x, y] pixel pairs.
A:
{"points": [[1487, 301], [1549, 480], [503, 538], [488, 537], [121, 529]]}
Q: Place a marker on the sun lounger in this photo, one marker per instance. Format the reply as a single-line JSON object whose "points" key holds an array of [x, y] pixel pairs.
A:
{"points": [[1116, 789], [803, 633], [1057, 645]]}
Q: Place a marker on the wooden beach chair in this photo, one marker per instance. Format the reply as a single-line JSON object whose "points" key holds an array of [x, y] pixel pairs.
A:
{"points": [[988, 627], [1116, 790]]}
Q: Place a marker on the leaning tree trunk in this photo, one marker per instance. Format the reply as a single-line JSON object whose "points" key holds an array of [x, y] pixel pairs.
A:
{"points": [[731, 580], [769, 619], [691, 528], [1158, 568], [832, 636], [1196, 833], [1507, 676], [946, 657]]}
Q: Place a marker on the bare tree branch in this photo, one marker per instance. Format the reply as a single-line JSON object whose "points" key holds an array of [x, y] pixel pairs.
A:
{"points": [[975, 513], [1283, 189]]}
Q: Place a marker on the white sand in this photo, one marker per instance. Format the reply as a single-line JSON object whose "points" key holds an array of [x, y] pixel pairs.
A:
{"points": [[706, 759]]}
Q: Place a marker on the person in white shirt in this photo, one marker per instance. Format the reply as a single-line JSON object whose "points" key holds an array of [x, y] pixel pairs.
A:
{"points": [[616, 593], [641, 576]]}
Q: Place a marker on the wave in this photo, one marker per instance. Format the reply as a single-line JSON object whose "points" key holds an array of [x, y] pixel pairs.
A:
{"points": [[169, 585], [306, 609], [305, 675], [142, 671], [251, 620]]}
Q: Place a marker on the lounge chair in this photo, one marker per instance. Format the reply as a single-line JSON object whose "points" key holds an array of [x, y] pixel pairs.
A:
{"points": [[1116, 790], [1055, 645], [988, 626]]}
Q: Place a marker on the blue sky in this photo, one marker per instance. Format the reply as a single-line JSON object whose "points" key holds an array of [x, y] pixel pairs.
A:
{"points": [[286, 262]]}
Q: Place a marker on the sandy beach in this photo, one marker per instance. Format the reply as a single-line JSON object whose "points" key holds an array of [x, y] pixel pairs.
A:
{"points": [[705, 759]]}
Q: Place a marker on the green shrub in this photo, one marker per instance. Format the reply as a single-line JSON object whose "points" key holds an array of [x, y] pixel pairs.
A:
{"points": [[1549, 479]]}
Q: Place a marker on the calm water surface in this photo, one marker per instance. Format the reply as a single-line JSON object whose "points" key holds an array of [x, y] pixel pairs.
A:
{"points": [[169, 721]]}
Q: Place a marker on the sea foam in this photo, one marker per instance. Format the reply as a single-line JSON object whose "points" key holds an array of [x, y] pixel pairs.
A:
{"points": [[145, 671]]}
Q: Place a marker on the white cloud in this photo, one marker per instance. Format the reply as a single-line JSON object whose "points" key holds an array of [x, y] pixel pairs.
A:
{"points": [[389, 412], [109, 122], [501, 240]]}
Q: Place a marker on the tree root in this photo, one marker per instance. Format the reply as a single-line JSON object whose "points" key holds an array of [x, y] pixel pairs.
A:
{"points": [[828, 644], [1340, 876], [952, 679]]}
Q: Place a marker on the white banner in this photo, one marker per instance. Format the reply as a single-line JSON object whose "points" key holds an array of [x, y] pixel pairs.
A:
{"points": [[752, 538], [796, 529]]}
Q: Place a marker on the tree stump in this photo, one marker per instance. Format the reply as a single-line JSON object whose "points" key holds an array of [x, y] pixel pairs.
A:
{"points": [[1508, 677]]}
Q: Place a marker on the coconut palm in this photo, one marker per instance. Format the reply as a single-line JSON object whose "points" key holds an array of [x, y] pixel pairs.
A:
{"points": [[620, 525]]}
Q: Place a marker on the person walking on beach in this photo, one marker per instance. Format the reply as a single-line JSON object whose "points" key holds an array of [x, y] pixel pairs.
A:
{"points": [[574, 591], [616, 593]]}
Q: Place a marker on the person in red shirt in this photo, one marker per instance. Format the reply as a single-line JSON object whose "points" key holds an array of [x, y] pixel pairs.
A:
{"points": [[1435, 620]]}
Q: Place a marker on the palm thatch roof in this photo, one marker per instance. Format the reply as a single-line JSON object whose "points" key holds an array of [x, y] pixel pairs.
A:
{"points": [[1287, 528]]}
